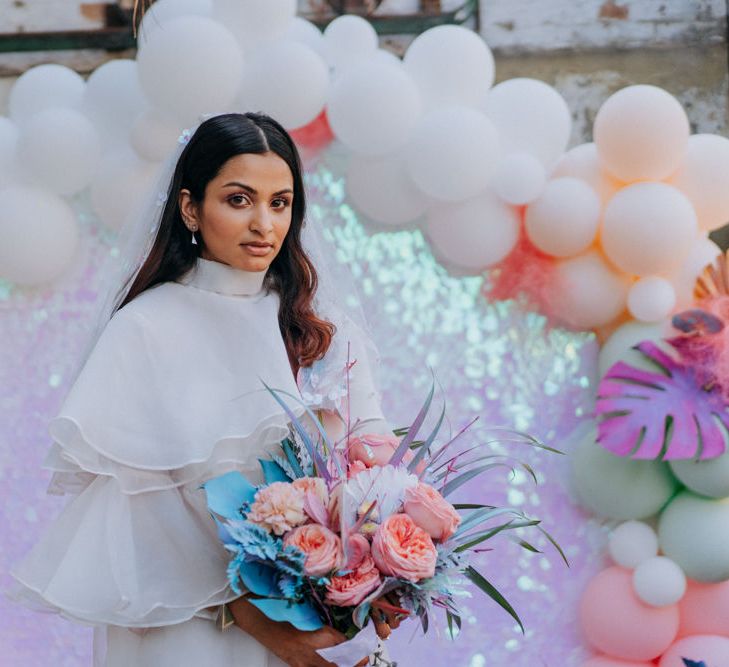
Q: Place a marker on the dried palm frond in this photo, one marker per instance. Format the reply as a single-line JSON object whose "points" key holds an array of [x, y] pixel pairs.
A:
{"points": [[714, 279]]}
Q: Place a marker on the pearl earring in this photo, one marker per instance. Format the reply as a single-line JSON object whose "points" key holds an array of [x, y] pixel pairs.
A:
{"points": [[192, 229]]}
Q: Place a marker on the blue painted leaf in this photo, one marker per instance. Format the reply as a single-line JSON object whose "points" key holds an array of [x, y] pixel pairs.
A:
{"points": [[258, 578], [223, 535], [273, 472], [228, 493], [302, 615], [666, 414], [693, 663]]}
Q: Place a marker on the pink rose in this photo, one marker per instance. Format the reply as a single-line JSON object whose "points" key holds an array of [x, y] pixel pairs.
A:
{"points": [[373, 449], [322, 547], [278, 508], [352, 588], [357, 549], [402, 549], [355, 467], [429, 510]]}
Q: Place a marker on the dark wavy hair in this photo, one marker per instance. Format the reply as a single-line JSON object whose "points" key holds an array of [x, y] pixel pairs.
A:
{"points": [[291, 274]]}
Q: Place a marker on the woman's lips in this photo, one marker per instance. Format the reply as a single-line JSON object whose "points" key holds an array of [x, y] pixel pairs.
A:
{"points": [[257, 249]]}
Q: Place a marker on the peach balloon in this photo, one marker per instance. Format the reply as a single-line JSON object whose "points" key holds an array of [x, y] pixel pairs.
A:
{"points": [[704, 177], [616, 622], [607, 661], [563, 221], [648, 228], [583, 162], [651, 299], [703, 252], [592, 293], [705, 609], [711, 650], [641, 133]]}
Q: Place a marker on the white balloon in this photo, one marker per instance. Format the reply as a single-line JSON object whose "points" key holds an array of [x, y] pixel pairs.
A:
{"points": [[704, 178], [641, 133], [659, 582], [473, 234], [40, 235], [702, 253], [162, 11], [618, 347], [631, 543], [305, 32], [519, 179], [9, 135], [61, 148], [619, 488], [202, 77], [651, 299], [154, 135], [530, 116], [382, 189], [373, 108], [583, 162], [254, 22], [45, 86], [348, 38], [694, 532], [709, 477], [122, 180], [453, 153], [288, 81], [564, 219], [592, 293], [451, 65], [113, 99], [648, 228]]}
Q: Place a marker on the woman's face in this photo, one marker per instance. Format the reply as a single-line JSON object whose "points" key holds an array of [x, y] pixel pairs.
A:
{"points": [[246, 211]]}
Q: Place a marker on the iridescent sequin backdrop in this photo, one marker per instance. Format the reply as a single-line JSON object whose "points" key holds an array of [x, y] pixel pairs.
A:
{"points": [[495, 360]]}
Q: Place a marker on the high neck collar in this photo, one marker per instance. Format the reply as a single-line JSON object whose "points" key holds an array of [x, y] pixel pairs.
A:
{"points": [[223, 278]]}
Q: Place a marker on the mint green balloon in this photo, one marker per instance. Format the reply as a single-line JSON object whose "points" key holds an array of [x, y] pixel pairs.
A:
{"points": [[619, 488]]}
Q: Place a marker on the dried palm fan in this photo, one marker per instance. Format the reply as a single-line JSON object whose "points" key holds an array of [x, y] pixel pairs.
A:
{"points": [[714, 279]]}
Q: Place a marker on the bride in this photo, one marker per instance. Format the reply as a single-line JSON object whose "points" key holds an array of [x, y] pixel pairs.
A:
{"points": [[220, 294]]}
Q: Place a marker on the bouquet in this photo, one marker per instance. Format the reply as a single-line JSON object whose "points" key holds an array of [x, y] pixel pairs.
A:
{"points": [[341, 530]]}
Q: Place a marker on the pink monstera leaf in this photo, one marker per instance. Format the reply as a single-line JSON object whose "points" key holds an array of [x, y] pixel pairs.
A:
{"points": [[665, 414]]}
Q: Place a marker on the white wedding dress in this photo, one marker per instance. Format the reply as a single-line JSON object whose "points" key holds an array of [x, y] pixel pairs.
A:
{"points": [[171, 396]]}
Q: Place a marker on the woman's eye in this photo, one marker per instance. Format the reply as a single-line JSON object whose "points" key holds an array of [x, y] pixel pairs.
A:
{"points": [[238, 199], [283, 203]]}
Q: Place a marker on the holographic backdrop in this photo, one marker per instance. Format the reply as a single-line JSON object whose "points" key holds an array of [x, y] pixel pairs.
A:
{"points": [[495, 360]]}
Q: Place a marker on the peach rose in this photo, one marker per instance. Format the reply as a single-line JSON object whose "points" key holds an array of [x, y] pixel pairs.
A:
{"points": [[315, 485], [322, 547], [402, 549], [433, 513], [278, 508], [350, 589]]}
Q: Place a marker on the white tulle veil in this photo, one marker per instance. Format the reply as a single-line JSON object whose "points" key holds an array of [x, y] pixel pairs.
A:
{"points": [[336, 299]]}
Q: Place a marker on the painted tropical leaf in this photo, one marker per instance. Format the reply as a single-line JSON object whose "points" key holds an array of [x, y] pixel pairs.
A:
{"points": [[664, 414]]}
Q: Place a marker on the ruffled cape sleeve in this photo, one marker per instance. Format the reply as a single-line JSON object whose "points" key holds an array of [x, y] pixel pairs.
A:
{"points": [[135, 546]]}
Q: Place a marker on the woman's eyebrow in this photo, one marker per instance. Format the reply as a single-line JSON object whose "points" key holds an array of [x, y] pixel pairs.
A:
{"points": [[252, 190]]}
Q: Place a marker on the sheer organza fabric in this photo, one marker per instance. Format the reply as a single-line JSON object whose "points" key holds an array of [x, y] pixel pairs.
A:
{"points": [[170, 396]]}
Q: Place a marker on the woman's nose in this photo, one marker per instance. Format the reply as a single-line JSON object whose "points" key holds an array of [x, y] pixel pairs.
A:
{"points": [[262, 221]]}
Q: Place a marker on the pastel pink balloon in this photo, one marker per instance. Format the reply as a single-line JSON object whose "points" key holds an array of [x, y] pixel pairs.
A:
{"points": [[583, 162], [607, 661], [641, 133], [704, 609], [709, 649], [616, 622]]}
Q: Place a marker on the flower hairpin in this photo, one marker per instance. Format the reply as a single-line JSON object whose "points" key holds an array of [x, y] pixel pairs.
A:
{"points": [[184, 137], [161, 198]]}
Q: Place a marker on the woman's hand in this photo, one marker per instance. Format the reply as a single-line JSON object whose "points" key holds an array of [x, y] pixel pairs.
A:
{"points": [[386, 615], [297, 648]]}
